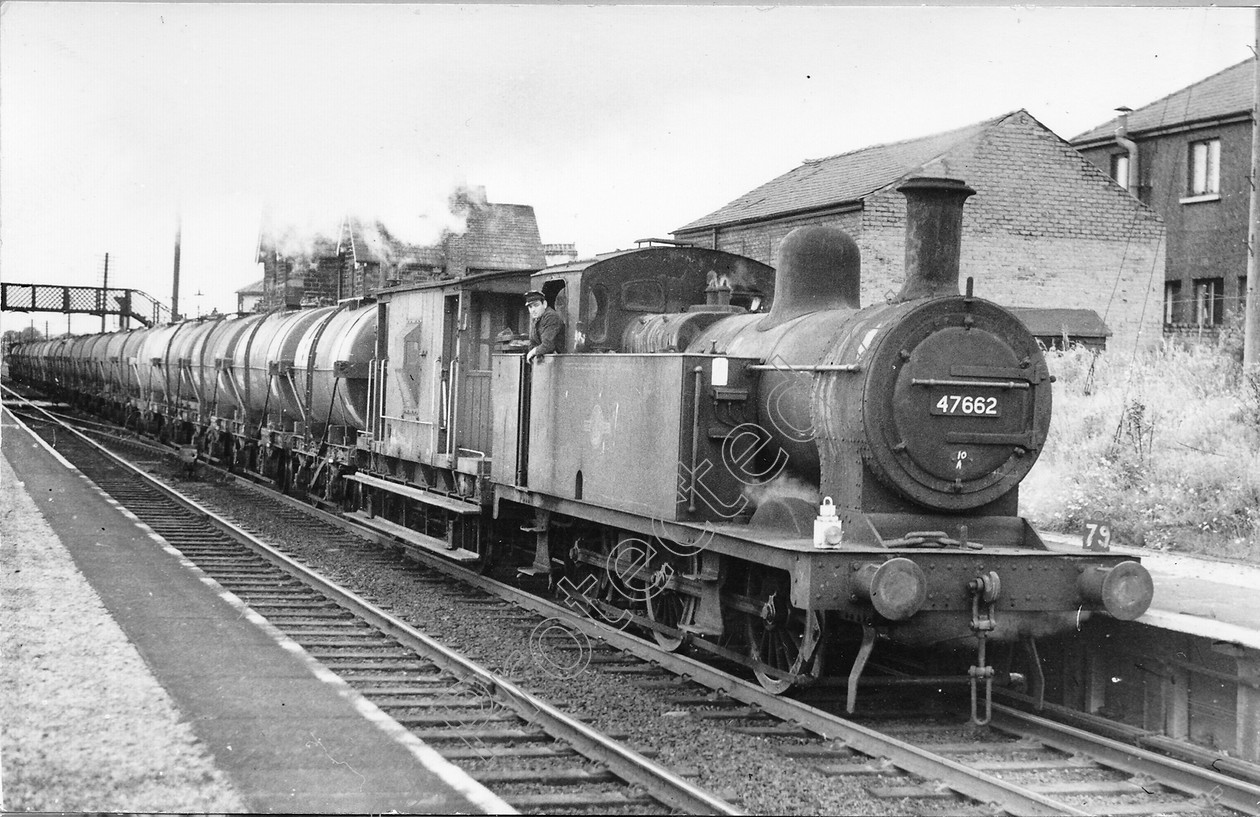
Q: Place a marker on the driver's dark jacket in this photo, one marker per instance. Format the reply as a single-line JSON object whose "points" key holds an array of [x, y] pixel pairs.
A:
{"points": [[546, 334]]}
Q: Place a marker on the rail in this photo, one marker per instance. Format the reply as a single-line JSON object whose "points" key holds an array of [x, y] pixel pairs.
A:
{"points": [[1239, 795], [663, 785]]}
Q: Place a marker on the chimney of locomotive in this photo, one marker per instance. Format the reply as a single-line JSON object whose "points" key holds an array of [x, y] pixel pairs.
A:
{"points": [[934, 209], [818, 268]]}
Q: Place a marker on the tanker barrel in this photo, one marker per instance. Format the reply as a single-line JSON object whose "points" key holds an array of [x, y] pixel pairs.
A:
{"points": [[934, 209]]}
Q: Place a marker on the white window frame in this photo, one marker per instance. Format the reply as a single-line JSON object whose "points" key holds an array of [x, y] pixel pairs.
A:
{"points": [[1203, 178], [1209, 306], [1172, 295], [1120, 169]]}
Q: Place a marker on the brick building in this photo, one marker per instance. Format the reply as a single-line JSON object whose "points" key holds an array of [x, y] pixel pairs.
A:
{"points": [[249, 297], [1190, 160], [359, 258], [1045, 229]]}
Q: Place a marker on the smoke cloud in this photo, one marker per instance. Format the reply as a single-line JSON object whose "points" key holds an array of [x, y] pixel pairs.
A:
{"points": [[309, 229], [784, 486]]}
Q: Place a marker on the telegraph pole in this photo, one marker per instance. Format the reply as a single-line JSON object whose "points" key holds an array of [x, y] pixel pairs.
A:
{"points": [[105, 293], [1251, 322], [179, 229]]}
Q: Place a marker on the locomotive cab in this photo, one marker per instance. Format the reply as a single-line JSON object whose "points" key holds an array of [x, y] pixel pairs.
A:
{"points": [[606, 299]]}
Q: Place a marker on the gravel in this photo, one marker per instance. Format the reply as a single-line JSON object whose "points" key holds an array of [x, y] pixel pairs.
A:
{"points": [[748, 770], [84, 727]]}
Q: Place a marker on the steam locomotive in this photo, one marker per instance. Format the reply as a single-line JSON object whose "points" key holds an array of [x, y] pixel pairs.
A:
{"points": [[733, 459]]}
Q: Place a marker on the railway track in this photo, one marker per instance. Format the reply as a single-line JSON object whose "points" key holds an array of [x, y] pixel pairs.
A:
{"points": [[533, 755], [1021, 764]]}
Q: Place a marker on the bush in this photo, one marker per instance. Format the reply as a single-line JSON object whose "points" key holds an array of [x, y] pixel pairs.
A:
{"points": [[1165, 443]]}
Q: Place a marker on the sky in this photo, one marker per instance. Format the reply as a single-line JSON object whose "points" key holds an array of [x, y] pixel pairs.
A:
{"points": [[121, 123]]}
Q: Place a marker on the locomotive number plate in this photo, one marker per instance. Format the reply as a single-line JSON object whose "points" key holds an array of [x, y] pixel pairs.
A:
{"points": [[959, 405]]}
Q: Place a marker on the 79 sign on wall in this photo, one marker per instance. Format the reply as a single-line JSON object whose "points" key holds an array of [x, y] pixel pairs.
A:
{"points": [[1097, 535]]}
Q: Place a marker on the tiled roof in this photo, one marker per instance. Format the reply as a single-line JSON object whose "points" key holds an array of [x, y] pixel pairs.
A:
{"points": [[1224, 93], [373, 243], [847, 177], [503, 237], [256, 288], [367, 244]]}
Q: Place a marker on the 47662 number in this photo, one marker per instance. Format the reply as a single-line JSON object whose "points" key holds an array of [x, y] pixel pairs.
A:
{"points": [[967, 405]]}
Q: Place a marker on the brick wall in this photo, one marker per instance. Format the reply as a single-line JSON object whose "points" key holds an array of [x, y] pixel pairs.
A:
{"points": [[282, 283], [1030, 182], [1045, 229], [1121, 281], [760, 241], [456, 255], [321, 282]]}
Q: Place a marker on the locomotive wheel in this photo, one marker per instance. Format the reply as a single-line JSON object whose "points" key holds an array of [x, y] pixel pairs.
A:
{"points": [[667, 605], [780, 636]]}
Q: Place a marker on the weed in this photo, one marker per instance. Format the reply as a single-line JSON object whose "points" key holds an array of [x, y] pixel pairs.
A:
{"points": [[1165, 443]]}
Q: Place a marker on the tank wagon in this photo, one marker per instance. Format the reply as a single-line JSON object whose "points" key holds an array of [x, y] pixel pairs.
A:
{"points": [[733, 459]]}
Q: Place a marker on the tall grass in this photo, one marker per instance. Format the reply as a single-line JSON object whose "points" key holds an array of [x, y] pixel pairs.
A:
{"points": [[1164, 443]]}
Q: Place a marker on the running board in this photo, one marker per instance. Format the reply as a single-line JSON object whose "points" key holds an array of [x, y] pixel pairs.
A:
{"points": [[414, 537], [428, 497]]}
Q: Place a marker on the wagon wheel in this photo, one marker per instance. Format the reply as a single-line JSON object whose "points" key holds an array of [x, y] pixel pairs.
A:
{"points": [[666, 604], [331, 480], [474, 534], [584, 582], [780, 636]]}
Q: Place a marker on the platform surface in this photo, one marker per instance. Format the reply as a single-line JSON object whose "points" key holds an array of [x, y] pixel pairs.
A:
{"points": [[290, 736]]}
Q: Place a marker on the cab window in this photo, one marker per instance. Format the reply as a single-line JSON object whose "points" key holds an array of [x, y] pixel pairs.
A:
{"points": [[596, 311], [643, 296]]}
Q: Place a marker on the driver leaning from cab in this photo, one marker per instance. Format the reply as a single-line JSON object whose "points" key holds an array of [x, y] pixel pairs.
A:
{"points": [[546, 328]]}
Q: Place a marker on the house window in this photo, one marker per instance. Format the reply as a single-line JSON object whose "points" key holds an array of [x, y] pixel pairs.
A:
{"points": [[1209, 301], [1205, 168], [1120, 169], [1172, 301]]}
